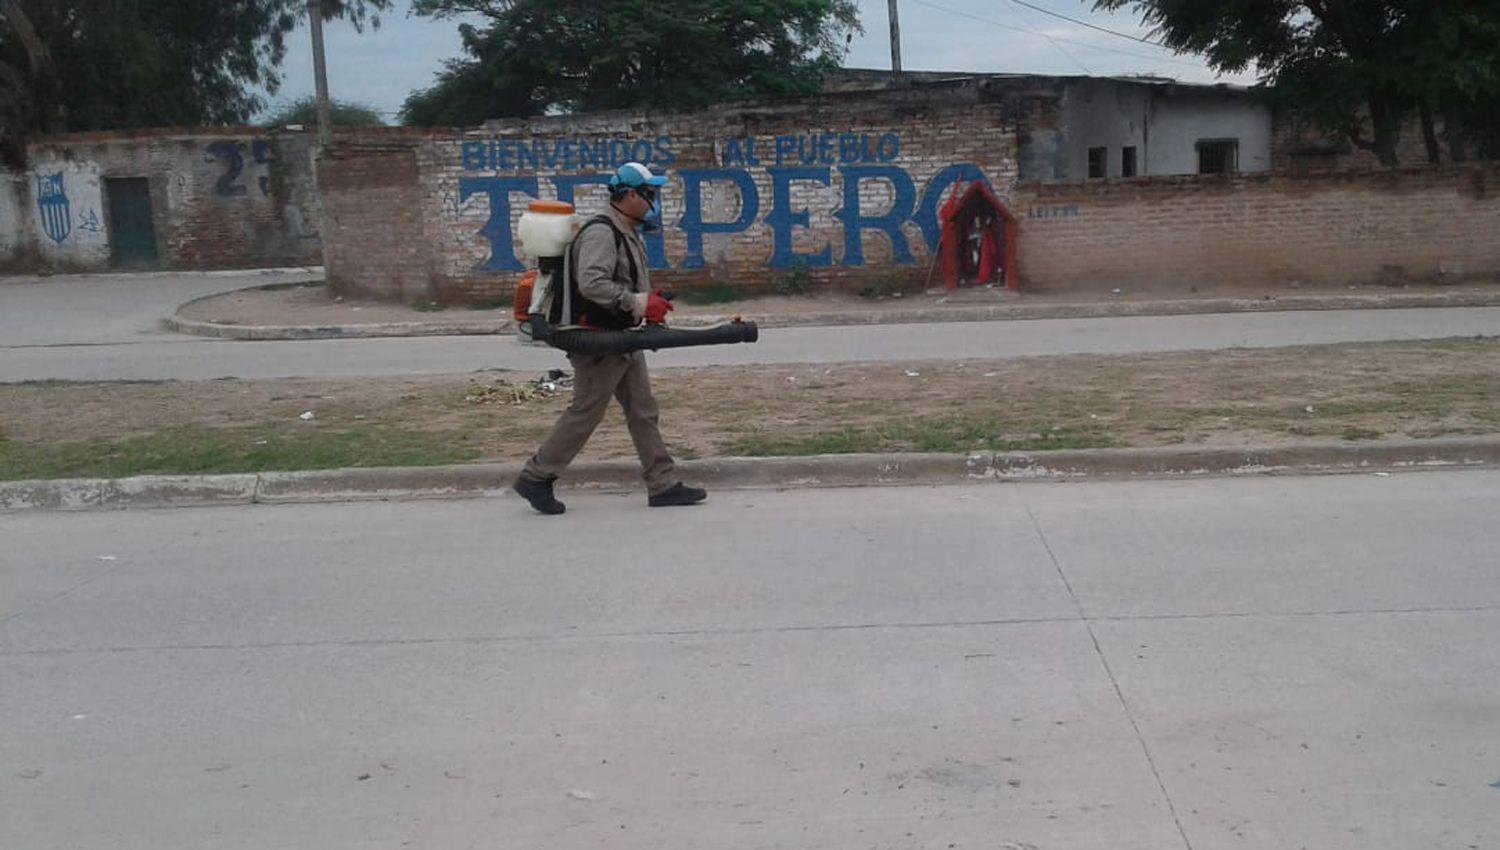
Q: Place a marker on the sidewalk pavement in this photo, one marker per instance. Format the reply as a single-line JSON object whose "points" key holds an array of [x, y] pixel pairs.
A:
{"points": [[308, 312], [99, 309]]}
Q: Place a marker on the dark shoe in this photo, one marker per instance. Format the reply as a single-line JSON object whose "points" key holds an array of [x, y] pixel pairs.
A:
{"points": [[677, 494], [539, 494]]}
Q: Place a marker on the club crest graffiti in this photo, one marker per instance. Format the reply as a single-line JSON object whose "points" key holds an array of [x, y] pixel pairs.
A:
{"points": [[52, 203]]}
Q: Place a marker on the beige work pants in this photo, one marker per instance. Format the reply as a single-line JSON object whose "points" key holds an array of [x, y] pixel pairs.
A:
{"points": [[595, 381]]}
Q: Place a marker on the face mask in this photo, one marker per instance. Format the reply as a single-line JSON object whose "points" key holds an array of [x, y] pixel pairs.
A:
{"points": [[651, 221]]}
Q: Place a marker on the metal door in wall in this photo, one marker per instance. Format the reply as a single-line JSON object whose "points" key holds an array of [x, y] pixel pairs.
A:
{"points": [[132, 236]]}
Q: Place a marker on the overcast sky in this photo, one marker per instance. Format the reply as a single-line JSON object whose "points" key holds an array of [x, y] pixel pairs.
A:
{"points": [[380, 67]]}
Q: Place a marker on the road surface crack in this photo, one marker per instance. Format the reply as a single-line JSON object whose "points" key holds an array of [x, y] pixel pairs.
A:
{"points": [[1119, 694]]}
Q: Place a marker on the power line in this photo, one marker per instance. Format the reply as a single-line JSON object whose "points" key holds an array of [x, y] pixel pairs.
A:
{"points": [[1059, 47], [1024, 30], [1046, 11], [995, 23]]}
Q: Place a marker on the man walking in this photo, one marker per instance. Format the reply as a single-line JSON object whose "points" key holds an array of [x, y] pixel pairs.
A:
{"points": [[612, 292]]}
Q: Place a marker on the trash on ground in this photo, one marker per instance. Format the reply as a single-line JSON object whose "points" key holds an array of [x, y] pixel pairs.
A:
{"points": [[913, 373], [307, 416], [505, 392]]}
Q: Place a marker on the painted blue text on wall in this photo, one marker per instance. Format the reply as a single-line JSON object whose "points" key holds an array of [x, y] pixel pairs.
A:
{"points": [[855, 160], [230, 154], [564, 154]]}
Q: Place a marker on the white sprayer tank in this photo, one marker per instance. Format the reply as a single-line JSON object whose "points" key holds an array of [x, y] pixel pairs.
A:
{"points": [[546, 228]]}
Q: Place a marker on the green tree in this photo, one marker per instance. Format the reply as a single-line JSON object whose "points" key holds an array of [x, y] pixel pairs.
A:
{"points": [[1359, 68], [534, 56], [1448, 64], [138, 63], [343, 113]]}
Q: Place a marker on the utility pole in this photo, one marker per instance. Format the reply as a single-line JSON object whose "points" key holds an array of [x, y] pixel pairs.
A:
{"points": [[895, 43], [320, 71]]}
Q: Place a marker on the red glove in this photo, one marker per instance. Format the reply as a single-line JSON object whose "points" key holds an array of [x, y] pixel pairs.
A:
{"points": [[657, 308]]}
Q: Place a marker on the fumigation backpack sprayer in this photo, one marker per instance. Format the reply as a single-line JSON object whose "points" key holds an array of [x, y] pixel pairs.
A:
{"points": [[548, 230]]}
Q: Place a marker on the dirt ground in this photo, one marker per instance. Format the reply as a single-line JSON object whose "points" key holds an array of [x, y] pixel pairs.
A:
{"points": [[1237, 397], [316, 305]]}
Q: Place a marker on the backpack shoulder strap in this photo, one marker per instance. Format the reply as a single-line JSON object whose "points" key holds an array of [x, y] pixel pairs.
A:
{"points": [[635, 275]]}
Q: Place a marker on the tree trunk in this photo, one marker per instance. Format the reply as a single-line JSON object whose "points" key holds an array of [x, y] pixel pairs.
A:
{"points": [[48, 85], [1453, 129], [1429, 134], [1385, 122]]}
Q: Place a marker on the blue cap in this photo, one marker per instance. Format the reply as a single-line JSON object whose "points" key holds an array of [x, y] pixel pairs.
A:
{"points": [[635, 174]]}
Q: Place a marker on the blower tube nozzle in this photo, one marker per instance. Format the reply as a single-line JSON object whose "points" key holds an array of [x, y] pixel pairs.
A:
{"points": [[652, 337]]}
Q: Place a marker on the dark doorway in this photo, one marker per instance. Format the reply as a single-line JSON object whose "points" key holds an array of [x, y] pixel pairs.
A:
{"points": [[132, 236], [1098, 157], [1218, 156]]}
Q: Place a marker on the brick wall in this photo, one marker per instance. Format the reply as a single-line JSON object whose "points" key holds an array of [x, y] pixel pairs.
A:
{"points": [[1298, 146], [733, 212], [1329, 228], [16, 248], [372, 206], [267, 215], [220, 197], [418, 214]]}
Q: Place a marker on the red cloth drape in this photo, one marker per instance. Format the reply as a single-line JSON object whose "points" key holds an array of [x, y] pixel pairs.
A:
{"points": [[949, 238]]}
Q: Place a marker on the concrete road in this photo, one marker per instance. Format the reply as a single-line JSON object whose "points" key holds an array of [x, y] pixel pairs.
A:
{"points": [[188, 358], [1264, 663], [114, 308]]}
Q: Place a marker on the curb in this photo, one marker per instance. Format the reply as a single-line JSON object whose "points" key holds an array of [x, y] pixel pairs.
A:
{"points": [[177, 323], [469, 480], [383, 329], [917, 315], [1108, 309], [153, 491]]}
